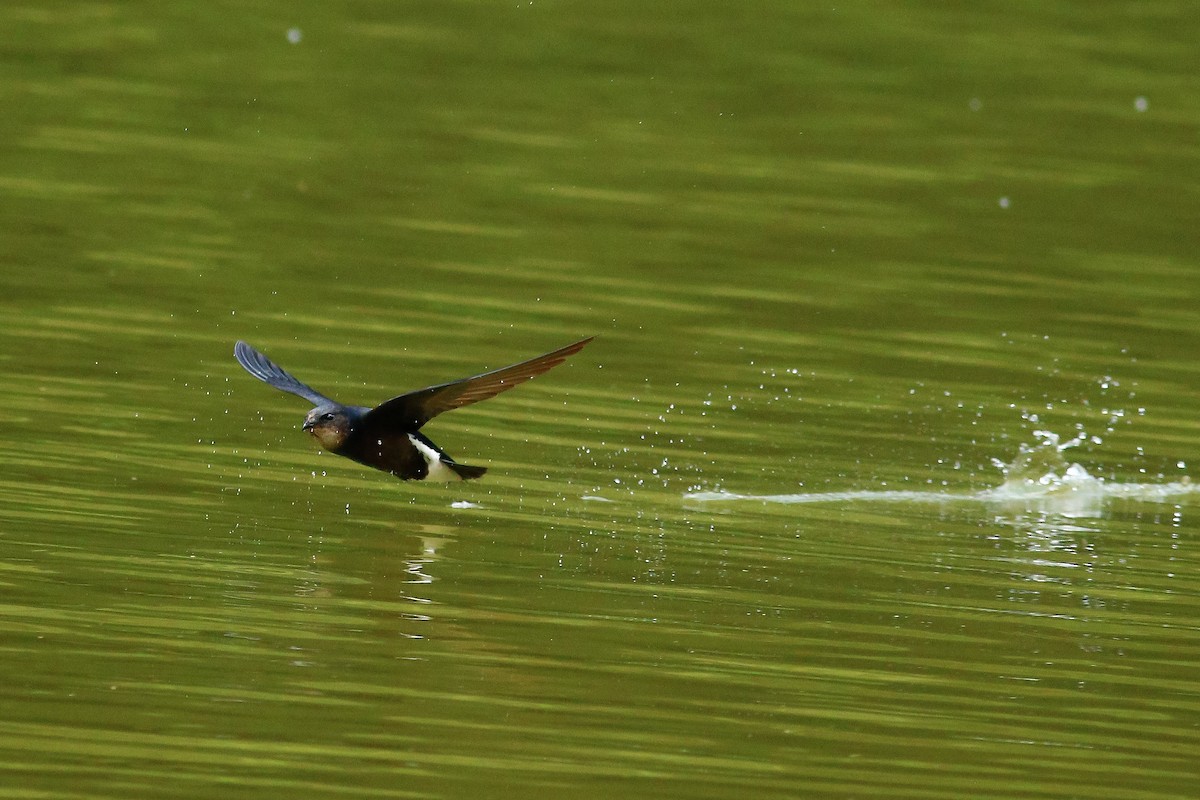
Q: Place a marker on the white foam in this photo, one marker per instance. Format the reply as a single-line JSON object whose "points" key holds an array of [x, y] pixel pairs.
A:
{"points": [[1074, 497]]}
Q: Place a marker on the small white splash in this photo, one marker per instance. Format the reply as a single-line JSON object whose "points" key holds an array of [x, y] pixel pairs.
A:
{"points": [[1073, 492], [1141, 104], [1004, 202], [294, 35], [595, 498], [464, 504]]}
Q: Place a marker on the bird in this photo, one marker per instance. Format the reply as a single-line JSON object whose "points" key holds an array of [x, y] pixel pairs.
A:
{"points": [[388, 437]]}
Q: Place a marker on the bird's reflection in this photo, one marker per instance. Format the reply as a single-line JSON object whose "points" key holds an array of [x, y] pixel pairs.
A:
{"points": [[385, 582], [429, 546]]}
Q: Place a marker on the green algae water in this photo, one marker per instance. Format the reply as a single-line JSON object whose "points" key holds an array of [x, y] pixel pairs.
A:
{"points": [[878, 479]]}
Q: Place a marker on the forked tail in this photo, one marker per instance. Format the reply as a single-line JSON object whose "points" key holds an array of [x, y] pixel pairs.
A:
{"points": [[465, 471]]}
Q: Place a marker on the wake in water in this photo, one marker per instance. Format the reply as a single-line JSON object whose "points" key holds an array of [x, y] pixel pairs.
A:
{"points": [[1039, 478]]}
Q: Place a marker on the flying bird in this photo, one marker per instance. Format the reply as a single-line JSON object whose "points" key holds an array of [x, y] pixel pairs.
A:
{"points": [[388, 436]]}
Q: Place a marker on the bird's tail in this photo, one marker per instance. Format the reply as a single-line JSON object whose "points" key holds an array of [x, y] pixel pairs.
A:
{"points": [[465, 471]]}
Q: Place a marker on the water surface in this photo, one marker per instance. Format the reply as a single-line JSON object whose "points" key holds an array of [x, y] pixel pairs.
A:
{"points": [[785, 529]]}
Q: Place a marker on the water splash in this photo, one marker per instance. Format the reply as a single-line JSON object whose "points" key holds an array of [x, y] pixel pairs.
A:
{"points": [[1039, 478]]}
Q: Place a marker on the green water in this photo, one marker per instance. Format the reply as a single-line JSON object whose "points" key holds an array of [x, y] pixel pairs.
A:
{"points": [[833, 256]]}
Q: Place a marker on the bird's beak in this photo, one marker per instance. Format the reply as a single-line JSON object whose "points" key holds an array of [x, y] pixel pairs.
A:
{"points": [[308, 425]]}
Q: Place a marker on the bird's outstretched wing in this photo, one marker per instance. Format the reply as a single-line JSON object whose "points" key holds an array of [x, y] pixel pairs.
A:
{"points": [[410, 411], [268, 371]]}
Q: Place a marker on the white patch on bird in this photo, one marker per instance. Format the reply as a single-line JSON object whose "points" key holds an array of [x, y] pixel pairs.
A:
{"points": [[438, 471]]}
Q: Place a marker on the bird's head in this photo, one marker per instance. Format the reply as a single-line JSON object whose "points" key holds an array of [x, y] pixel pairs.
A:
{"points": [[329, 425]]}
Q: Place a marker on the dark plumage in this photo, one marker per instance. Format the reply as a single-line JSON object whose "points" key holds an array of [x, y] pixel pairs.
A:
{"points": [[388, 436]]}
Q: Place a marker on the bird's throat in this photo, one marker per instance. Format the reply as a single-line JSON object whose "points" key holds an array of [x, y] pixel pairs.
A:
{"points": [[330, 438]]}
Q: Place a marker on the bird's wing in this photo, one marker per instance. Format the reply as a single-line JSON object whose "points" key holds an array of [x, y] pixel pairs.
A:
{"points": [[268, 371], [410, 411]]}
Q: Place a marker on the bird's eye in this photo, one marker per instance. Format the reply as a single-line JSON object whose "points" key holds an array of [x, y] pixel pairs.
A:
{"points": [[327, 416]]}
